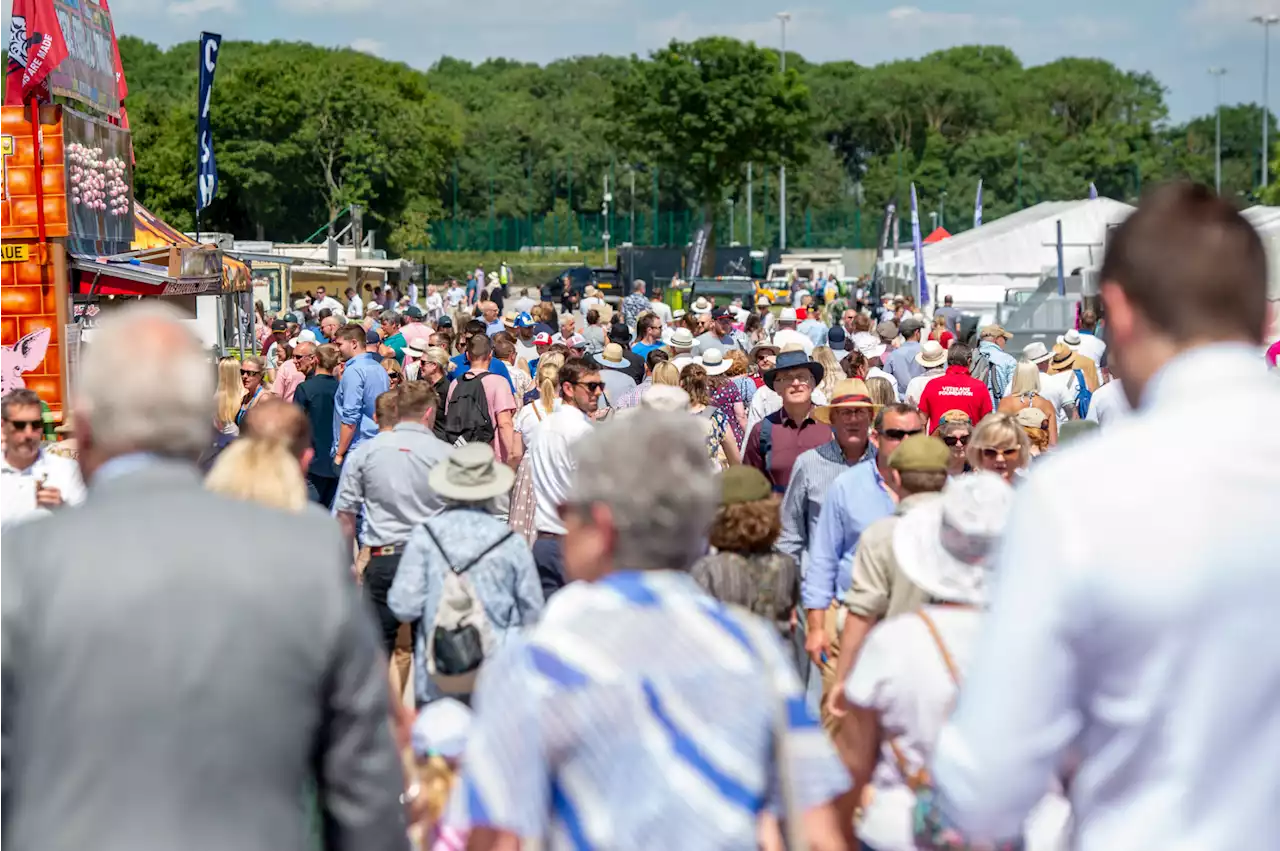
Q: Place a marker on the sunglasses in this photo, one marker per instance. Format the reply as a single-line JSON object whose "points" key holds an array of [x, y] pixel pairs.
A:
{"points": [[592, 386], [900, 433], [991, 453], [250, 372], [26, 425], [394, 376], [955, 439]]}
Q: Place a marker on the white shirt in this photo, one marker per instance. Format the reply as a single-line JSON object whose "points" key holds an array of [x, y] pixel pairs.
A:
{"points": [[1146, 641], [334, 306], [18, 487], [766, 401], [526, 351], [663, 311], [787, 336], [588, 303], [916, 385], [1109, 404], [530, 417], [456, 295], [901, 675], [877, 372], [1061, 390], [355, 308], [1092, 347], [553, 464]]}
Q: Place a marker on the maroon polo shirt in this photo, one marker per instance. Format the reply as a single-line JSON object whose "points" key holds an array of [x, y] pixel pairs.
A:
{"points": [[789, 440]]}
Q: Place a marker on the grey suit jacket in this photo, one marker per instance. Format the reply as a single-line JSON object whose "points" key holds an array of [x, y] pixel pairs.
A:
{"points": [[178, 667]]}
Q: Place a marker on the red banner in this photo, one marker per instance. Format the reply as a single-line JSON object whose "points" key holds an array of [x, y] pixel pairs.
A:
{"points": [[36, 46], [122, 87]]}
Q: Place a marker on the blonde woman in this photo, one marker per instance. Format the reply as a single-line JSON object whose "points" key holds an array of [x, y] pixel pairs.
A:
{"points": [[228, 396], [831, 371], [881, 391], [1024, 393], [939, 332], [252, 374], [527, 420], [259, 470], [999, 445]]}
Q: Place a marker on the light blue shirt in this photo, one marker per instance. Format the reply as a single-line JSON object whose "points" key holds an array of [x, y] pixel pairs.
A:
{"points": [[363, 381], [814, 330], [640, 713], [505, 581], [1004, 365], [856, 499], [901, 364], [1139, 636]]}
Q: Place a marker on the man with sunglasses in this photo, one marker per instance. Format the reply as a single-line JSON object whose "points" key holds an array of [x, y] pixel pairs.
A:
{"points": [[955, 390], [553, 463], [34, 481], [860, 496]]}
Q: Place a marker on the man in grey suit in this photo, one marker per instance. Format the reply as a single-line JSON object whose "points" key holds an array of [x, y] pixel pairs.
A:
{"points": [[179, 667]]}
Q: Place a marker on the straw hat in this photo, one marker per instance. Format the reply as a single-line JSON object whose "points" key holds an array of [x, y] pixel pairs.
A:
{"points": [[931, 354], [664, 397], [787, 314], [1064, 359], [612, 357], [848, 393], [471, 473], [1032, 417], [713, 361], [700, 306], [945, 546], [681, 338]]}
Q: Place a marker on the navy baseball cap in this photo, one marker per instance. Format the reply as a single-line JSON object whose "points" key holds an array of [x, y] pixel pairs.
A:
{"points": [[372, 337], [279, 325], [721, 313], [836, 336], [444, 322], [414, 312]]}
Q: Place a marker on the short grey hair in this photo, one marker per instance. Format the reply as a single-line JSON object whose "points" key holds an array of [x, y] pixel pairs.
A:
{"points": [[663, 507], [145, 384], [22, 397]]}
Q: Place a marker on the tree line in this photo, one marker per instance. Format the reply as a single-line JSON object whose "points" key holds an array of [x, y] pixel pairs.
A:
{"points": [[302, 131]]}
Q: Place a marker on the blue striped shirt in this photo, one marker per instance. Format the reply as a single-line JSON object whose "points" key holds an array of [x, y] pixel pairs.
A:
{"points": [[813, 474], [639, 713]]}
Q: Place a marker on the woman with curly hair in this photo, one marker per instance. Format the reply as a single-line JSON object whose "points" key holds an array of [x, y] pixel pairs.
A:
{"points": [[744, 570], [722, 447]]}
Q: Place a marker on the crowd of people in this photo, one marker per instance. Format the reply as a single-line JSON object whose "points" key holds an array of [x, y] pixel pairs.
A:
{"points": [[492, 572]]}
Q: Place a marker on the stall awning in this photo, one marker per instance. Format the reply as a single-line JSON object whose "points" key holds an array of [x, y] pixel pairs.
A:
{"points": [[150, 231], [129, 275]]}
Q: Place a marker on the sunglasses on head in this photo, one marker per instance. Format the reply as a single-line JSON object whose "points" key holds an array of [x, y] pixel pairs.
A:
{"points": [[250, 372], [955, 439], [592, 386], [26, 425], [900, 433]]}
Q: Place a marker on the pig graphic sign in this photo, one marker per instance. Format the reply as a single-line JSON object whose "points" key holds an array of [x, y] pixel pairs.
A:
{"points": [[23, 356]]}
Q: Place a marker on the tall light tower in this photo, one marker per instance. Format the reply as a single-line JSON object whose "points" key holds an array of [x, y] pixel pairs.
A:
{"points": [[783, 17], [1217, 74], [1266, 22]]}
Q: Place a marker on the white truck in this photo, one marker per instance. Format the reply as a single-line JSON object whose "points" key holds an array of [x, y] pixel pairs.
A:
{"points": [[804, 266]]}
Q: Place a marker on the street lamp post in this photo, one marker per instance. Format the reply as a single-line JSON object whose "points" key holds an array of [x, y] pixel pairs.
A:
{"points": [[783, 17], [1019, 175], [732, 231], [1217, 74], [750, 207], [942, 210], [1266, 22]]}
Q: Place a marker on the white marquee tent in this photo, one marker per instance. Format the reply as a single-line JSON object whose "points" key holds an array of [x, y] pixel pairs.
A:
{"points": [[978, 266], [1266, 220]]}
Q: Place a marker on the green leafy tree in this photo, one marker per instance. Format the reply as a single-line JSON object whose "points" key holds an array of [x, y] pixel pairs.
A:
{"points": [[707, 108]]}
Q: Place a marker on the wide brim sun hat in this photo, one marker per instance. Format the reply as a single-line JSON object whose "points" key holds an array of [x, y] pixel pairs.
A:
{"points": [[471, 473]]}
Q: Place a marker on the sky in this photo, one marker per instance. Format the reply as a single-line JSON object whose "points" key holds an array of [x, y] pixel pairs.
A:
{"points": [[1176, 40]]}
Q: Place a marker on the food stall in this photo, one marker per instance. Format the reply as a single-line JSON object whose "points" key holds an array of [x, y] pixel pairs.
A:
{"points": [[75, 242]]}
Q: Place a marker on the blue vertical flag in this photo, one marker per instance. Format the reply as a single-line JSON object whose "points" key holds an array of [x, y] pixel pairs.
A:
{"points": [[1093, 191], [918, 248], [207, 167], [977, 206]]}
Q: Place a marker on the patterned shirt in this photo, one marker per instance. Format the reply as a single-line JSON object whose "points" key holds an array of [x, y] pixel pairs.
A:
{"points": [[505, 581], [639, 713], [632, 306], [632, 399]]}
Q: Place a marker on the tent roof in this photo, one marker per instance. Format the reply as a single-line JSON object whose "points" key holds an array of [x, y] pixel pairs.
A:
{"points": [[1023, 243], [938, 235]]}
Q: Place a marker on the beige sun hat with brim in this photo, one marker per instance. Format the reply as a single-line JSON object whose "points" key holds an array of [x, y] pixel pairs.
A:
{"points": [[700, 306], [471, 473], [848, 393], [946, 546], [714, 362], [931, 354], [1036, 352], [1032, 418], [664, 397], [682, 339]]}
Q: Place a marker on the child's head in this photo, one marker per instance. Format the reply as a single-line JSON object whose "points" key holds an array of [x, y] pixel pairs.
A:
{"points": [[439, 738]]}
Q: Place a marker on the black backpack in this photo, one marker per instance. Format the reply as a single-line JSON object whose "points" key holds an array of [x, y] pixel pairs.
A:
{"points": [[466, 417]]}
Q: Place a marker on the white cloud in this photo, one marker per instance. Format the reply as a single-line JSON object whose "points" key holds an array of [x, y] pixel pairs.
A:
{"points": [[1230, 13], [191, 8], [369, 45]]}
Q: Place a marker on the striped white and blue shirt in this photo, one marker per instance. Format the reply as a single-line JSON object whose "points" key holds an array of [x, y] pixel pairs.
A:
{"points": [[639, 713]]}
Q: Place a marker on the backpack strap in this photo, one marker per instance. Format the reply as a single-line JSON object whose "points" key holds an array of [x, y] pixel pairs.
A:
{"points": [[460, 570], [766, 449], [918, 778]]}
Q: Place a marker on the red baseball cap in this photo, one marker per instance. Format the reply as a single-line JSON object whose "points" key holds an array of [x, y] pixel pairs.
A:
{"points": [[542, 339]]}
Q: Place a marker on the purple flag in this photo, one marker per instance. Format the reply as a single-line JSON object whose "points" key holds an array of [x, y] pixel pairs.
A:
{"points": [[918, 247]]}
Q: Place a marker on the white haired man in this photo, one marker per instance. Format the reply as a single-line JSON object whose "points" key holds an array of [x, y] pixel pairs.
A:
{"points": [[144, 584], [634, 665]]}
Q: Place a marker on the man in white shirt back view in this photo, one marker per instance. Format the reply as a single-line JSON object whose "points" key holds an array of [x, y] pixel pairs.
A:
{"points": [[1139, 650], [552, 461]]}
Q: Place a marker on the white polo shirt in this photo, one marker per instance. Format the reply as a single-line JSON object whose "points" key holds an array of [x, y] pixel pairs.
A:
{"points": [[553, 464], [18, 487]]}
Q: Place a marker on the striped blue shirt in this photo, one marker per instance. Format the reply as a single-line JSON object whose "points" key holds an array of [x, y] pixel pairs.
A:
{"points": [[639, 713]]}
